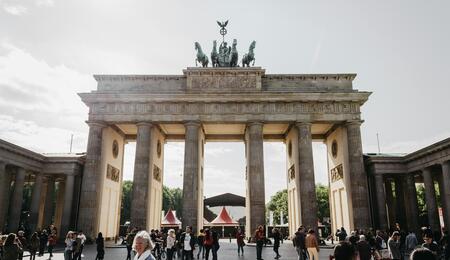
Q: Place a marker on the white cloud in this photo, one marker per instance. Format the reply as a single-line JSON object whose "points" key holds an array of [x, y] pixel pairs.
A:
{"points": [[45, 3], [15, 9]]}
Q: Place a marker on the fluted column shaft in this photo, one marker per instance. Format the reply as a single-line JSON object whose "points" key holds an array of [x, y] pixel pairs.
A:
{"points": [[411, 203], [49, 207], [255, 201], [35, 201], [307, 186], [360, 200], [400, 199], [5, 185], [430, 197], [140, 193], [446, 191], [381, 202], [191, 177], [16, 201], [88, 219], [68, 202], [391, 203]]}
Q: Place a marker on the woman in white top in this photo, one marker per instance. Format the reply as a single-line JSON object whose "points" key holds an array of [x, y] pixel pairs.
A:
{"points": [[170, 244], [69, 245], [143, 246]]}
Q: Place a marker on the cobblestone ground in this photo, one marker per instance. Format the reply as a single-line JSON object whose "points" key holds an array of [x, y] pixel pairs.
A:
{"points": [[227, 252]]}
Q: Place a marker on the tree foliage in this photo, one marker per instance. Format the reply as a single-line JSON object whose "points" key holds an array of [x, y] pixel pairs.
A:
{"points": [[172, 199], [279, 202]]}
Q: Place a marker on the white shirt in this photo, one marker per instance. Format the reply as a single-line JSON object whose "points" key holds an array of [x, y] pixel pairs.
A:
{"points": [[187, 242], [144, 256], [170, 241], [82, 237]]}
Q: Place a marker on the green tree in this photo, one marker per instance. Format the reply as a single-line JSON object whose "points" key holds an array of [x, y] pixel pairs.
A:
{"points": [[127, 187], [279, 202]]}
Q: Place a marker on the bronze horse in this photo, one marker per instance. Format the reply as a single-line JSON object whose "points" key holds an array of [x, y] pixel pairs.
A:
{"points": [[214, 55], [201, 57], [250, 56]]}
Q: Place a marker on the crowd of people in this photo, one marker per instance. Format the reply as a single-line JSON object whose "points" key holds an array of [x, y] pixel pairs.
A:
{"points": [[392, 244], [12, 246]]}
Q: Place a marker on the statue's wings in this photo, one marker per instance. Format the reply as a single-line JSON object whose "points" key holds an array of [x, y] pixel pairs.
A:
{"points": [[219, 23], [225, 24]]}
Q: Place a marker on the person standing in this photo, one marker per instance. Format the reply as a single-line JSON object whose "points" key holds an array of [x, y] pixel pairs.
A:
{"points": [[100, 247], [42, 242], [240, 241], [201, 248], [51, 243], [33, 245], [188, 243], [312, 247], [299, 243], [143, 246], [215, 246], [129, 240], [82, 240], [363, 248], [445, 243], [170, 244], [259, 237], [394, 246], [276, 242], [22, 243], [11, 248], [410, 244], [431, 245], [68, 250]]}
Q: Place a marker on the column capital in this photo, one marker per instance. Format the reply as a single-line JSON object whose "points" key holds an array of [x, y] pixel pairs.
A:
{"points": [[353, 122], [192, 123], [145, 123], [444, 163], [99, 124], [302, 123], [255, 122]]}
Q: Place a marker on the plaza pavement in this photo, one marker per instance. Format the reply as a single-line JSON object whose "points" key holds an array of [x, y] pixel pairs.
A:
{"points": [[227, 252]]}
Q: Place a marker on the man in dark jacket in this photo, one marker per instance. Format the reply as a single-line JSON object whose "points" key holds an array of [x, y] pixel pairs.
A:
{"points": [[299, 242], [188, 241]]}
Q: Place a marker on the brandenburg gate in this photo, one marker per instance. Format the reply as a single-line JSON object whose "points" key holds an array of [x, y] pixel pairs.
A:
{"points": [[223, 104]]}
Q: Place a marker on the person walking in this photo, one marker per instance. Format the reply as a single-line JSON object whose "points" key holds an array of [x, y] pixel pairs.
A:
{"points": [[129, 241], [33, 245], [208, 242], [299, 243], [22, 243], [259, 237], [276, 242], [394, 246], [410, 244], [170, 244], [81, 239], [188, 243], [312, 247], [100, 247], [11, 248], [51, 242], [201, 248], [363, 248], [240, 241], [431, 245], [445, 243]]}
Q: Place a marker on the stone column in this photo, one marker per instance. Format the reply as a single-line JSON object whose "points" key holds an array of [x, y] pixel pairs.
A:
{"points": [[67, 207], [16, 201], [307, 186], [49, 207], [191, 177], [412, 207], [430, 198], [359, 187], [446, 191], [255, 200], [140, 193], [400, 199], [391, 203], [5, 186], [35, 201], [92, 179], [381, 202]]}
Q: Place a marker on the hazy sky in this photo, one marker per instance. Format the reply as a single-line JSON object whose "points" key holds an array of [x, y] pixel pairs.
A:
{"points": [[49, 51]]}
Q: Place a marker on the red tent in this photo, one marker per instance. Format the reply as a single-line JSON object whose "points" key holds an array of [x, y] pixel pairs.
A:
{"points": [[223, 219], [170, 220]]}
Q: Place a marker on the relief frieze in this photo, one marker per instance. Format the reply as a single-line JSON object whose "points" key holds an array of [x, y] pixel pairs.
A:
{"points": [[226, 108]]}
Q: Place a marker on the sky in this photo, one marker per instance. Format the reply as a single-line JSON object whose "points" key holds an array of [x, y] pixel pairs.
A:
{"points": [[50, 49]]}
